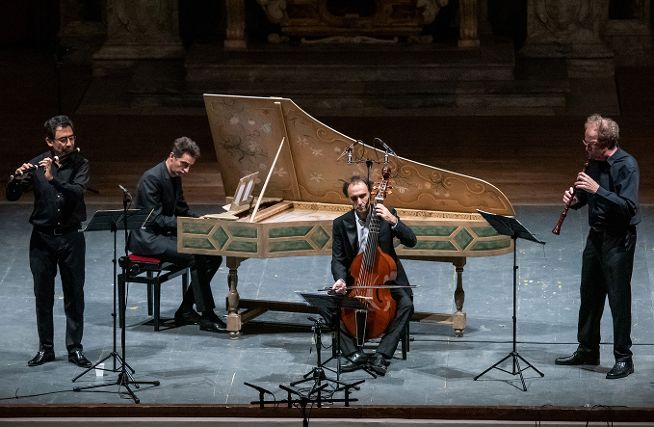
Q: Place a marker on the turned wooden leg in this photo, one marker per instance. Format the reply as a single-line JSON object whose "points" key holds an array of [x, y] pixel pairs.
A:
{"points": [[459, 317], [233, 316]]}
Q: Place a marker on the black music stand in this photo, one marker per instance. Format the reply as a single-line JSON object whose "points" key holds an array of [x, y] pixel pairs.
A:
{"points": [[125, 219], [326, 304], [508, 226], [112, 220], [332, 304]]}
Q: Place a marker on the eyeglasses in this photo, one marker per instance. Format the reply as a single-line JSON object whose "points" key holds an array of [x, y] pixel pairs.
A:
{"points": [[65, 139]]}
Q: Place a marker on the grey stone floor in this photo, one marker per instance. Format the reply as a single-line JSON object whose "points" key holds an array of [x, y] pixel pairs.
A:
{"points": [[196, 367]]}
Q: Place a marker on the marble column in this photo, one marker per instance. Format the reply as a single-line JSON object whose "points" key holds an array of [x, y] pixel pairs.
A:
{"points": [[570, 29], [79, 35], [630, 36], [468, 23], [138, 30], [235, 36]]}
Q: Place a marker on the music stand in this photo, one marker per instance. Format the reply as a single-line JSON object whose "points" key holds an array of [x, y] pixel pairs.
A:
{"points": [[111, 220], [124, 219], [508, 226], [333, 304]]}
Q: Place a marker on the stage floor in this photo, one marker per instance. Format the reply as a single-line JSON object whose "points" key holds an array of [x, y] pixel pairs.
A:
{"points": [[196, 367]]}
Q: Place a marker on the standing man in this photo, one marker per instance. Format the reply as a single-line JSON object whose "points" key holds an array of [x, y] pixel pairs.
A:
{"points": [[610, 189], [56, 240], [350, 235], [160, 188]]}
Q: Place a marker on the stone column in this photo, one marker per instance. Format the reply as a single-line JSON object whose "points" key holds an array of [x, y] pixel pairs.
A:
{"points": [[570, 29], [468, 23], [630, 37], [235, 31], [79, 36], [138, 30]]}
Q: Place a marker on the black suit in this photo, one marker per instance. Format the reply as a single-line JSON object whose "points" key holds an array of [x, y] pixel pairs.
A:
{"points": [[159, 191], [345, 247]]}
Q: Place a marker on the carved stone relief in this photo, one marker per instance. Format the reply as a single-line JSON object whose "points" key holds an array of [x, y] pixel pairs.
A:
{"points": [[142, 22], [138, 31], [350, 21], [570, 29]]}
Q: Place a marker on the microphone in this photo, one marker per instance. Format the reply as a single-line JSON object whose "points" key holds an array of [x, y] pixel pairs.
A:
{"points": [[125, 192], [348, 151], [386, 146], [387, 150]]}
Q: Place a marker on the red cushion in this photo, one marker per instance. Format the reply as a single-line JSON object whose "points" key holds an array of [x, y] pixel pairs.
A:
{"points": [[143, 259]]}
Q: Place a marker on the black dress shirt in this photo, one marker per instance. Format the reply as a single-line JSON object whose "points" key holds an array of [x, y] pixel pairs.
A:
{"points": [[615, 204], [60, 202]]}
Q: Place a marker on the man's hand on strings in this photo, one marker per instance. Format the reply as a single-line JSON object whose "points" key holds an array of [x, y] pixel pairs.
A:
{"points": [[383, 212]]}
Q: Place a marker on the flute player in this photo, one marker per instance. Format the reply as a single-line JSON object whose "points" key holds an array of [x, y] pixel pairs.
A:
{"points": [[56, 240], [610, 189]]}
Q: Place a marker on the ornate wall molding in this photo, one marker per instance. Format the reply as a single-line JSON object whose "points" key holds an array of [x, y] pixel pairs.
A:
{"points": [[570, 29], [139, 30], [342, 21]]}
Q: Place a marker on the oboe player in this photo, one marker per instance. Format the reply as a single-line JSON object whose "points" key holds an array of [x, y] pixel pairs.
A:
{"points": [[56, 239], [610, 189]]}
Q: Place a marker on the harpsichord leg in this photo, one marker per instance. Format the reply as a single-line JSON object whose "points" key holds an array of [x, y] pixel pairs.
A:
{"points": [[459, 317], [233, 316]]}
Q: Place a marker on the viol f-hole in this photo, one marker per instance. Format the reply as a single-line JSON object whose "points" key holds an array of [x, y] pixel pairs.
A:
{"points": [[557, 227]]}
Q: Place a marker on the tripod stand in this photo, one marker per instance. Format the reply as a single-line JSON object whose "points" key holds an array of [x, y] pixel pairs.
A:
{"points": [[511, 227], [330, 305], [129, 219], [317, 375], [101, 221]]}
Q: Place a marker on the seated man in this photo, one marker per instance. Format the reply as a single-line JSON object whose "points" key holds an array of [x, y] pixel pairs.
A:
{"points": [[350, 233], [160, 188]]}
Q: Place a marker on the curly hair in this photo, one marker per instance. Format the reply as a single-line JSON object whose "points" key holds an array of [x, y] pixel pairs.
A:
{"points": [[608, 131], [183, 145]]}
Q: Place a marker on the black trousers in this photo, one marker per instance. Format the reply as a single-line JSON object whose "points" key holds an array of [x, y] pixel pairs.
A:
{"points": [[391, 338], [203, 268], [608, 261], [47, 252]]}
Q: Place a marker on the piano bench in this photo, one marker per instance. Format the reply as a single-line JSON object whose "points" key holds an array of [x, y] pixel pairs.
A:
{"points": [[152, 272]]}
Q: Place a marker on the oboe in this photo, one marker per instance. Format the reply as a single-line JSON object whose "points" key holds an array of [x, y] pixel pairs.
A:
{"points": [[557, 228], [57, 159]]}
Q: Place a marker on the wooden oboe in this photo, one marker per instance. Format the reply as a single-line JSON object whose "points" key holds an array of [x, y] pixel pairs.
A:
{"points": [[557, 228]]}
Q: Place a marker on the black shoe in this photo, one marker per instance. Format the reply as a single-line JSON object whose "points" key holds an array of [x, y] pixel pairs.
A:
{"points": [[621, 369], [378, 364], [579, 358], [78, 358], [210, 325], [357, 361], [43, 356], [186, 316], [213, 317]]}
